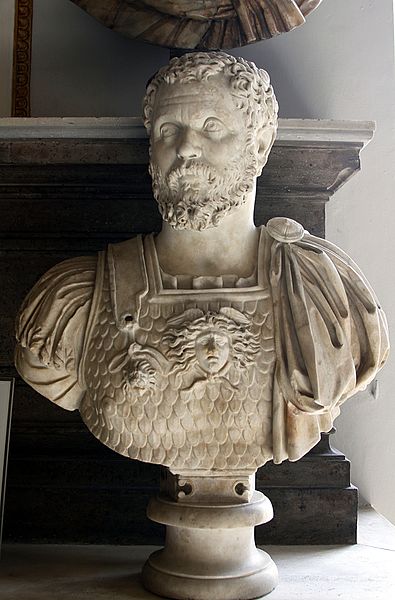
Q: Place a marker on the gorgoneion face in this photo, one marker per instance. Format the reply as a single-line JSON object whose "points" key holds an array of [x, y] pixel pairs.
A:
{"points": [[212, 350], [200, 167]]}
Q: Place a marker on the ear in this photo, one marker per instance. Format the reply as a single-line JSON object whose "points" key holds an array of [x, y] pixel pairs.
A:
{"points": [[265, 139]]}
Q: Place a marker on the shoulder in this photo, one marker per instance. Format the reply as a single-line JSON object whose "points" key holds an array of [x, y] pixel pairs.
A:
{"points": [[54, 303], [287, 233], [284, 230], [127, 268], [318, 279], [319, 264], [59, 279]]}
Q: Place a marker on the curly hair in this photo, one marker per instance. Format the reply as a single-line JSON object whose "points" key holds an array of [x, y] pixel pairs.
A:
{"points": [[180, 340], [250, 86]]}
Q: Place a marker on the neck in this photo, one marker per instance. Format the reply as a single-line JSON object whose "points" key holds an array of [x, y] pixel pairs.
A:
{"points": [[230, 248]]}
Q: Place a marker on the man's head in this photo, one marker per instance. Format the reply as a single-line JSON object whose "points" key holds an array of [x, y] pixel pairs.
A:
{"points": [[212, 120]]}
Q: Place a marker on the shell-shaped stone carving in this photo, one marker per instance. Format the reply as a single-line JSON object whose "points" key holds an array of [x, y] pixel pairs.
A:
{"points": [[200, 24]]}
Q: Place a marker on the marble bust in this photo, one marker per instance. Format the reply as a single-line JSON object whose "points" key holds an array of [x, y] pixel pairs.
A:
{"points": [[214, 346], [293, 327]]}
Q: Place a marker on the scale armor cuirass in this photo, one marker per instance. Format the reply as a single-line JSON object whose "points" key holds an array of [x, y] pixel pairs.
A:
{"points": [[181, 381]]}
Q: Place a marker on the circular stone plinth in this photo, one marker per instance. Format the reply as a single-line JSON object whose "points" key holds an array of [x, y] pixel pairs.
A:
{"points": [[181, 587], [211, 516], [210, 552]]}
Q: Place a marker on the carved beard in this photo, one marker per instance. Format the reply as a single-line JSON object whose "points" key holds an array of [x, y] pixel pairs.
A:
{"points": [[195, 196]]}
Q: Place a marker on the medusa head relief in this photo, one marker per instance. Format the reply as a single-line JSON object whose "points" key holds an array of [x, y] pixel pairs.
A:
{"points": [[196, 347], [211, 342]]}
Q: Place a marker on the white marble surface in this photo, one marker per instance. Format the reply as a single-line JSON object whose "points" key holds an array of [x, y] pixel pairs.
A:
{"points": [[364, 571]]}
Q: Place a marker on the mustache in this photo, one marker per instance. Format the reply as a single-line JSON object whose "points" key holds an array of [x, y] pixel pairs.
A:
{"points": [[202, 171]]}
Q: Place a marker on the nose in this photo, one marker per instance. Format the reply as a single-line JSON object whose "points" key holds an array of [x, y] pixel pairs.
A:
{"points": [[211, 346], [188, 145]]}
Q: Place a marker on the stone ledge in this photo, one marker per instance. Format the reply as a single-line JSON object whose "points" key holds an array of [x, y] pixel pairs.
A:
{"points": [[318, 131]]}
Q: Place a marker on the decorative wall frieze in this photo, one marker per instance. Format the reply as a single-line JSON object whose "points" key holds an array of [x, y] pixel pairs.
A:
{"points": [[22, 58]]}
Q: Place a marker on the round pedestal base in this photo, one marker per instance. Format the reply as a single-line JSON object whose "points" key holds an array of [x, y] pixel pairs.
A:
{"points": [[182, 587], [210, 553]]}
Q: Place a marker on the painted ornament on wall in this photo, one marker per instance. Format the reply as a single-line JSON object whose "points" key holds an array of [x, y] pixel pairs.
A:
{"points": [[200, 24]]}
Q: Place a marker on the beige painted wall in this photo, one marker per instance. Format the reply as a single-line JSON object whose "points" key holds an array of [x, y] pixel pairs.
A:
{"points": [[339, 65], [80, 68]]}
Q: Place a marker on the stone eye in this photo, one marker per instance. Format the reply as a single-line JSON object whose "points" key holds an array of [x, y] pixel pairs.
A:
{"points": [[213, 126], [168, 130]]}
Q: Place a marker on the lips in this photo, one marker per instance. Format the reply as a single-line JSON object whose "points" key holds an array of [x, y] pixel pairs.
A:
{"points": [[212, 359]]}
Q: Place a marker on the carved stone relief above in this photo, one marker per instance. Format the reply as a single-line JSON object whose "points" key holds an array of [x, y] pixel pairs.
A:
{"points": [[22, 58], [202, 24]]}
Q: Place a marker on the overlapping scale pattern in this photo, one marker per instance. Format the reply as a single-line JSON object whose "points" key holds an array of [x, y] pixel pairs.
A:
{"points": [[181, 420]]}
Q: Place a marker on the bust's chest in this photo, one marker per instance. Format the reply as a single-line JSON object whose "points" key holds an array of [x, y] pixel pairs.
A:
{"points": [[189, 382]]}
